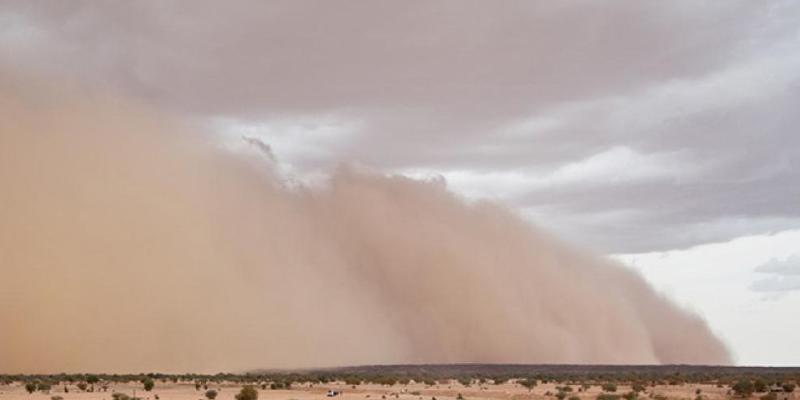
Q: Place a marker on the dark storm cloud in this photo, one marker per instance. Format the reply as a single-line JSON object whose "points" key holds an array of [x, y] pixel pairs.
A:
{"points": [[628, 126]]}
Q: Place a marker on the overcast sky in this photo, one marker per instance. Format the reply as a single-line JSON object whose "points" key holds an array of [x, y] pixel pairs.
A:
{"points": [[662, 133]]}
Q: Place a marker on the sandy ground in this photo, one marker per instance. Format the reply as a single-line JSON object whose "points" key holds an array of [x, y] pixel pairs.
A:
{"points": [[510, 391]]}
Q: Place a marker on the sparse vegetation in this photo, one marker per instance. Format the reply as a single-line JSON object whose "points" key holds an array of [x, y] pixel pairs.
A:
{"points": [[644, 381]]}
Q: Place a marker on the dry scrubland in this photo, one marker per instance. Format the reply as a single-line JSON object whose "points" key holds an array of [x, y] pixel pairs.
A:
{"points": [[305, 391], [442, 389]]}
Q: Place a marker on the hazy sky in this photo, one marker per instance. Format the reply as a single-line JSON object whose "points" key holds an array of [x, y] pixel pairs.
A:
{"points": [[662, 133]]}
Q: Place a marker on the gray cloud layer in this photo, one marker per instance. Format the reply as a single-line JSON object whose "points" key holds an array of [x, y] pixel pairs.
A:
{"points": [[627, 126], [781, 275]]}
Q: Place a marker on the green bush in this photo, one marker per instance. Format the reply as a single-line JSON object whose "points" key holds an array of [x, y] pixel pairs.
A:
{"points": [[743, 388], [247, 393], [609, 387], [630, 395], [528, 383], [148, 384], [211, 394]]}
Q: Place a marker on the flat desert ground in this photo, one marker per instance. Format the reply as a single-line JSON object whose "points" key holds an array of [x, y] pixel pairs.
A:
{"points": [[412, 391]]}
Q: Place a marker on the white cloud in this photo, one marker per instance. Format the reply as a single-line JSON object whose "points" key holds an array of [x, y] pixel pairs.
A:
{"points": [[716, 279], [615, 165]]}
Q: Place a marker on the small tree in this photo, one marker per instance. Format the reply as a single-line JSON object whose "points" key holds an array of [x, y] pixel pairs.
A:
{"points": [[120, 396], [352, 381], [788, 387], [30, 387], [247, 393], [609, 387], [211, 394], [769, 396], [148, 384], [743, 388], [632, 395], [528, 383], [759, 386]]}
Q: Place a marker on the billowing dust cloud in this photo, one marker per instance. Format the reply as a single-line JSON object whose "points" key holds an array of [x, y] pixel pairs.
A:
{"points": [[131, 243]]}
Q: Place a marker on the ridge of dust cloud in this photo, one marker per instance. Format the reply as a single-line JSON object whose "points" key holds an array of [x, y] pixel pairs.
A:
{"points": [[131, 243]]}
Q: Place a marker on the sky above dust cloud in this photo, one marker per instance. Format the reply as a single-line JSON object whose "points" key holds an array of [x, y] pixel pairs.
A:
{"points": [[663, 134]]}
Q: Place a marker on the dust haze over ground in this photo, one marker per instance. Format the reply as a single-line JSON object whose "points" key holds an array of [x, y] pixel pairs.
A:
{"points": [[129, 242]]}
